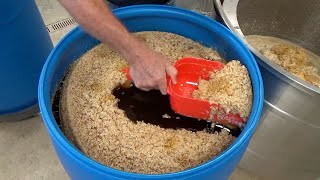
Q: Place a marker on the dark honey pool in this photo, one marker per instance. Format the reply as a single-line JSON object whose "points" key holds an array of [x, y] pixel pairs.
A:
{"points": [[150, 107]]}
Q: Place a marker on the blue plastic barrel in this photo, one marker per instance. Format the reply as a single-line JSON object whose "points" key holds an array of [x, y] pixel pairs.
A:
{"points": [[146, 18], [24, 46]]}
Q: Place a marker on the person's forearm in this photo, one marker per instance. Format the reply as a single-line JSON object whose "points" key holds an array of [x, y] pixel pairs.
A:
{"points": [[98, 20]]}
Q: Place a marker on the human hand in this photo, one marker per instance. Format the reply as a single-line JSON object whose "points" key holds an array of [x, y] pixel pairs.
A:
{"points": [[148, 70]]}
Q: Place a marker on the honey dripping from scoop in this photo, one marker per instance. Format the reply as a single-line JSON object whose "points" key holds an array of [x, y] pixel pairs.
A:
{"points": [[154, 108]]}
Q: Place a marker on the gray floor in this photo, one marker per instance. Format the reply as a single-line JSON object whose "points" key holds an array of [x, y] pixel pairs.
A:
{"points": [[26, 152]]}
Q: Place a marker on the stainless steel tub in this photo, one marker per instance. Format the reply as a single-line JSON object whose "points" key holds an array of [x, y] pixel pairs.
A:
{"points": [[286, 144]]}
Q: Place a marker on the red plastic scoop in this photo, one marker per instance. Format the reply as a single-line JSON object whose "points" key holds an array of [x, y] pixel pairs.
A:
{"points": [[190, 70]]}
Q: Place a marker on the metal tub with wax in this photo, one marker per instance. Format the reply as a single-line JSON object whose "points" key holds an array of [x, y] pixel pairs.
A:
{"points": [[285, 145]]}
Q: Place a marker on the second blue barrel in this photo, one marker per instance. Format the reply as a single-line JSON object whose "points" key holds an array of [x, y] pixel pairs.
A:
{"points": [[24, 47]]}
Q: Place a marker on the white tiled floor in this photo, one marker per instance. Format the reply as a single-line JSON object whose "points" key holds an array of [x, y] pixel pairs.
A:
{"points": [[26, 152], [52, 12]]}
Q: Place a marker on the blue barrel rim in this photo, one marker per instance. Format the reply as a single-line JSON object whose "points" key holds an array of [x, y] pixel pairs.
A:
{"points": [[58, 135]]}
